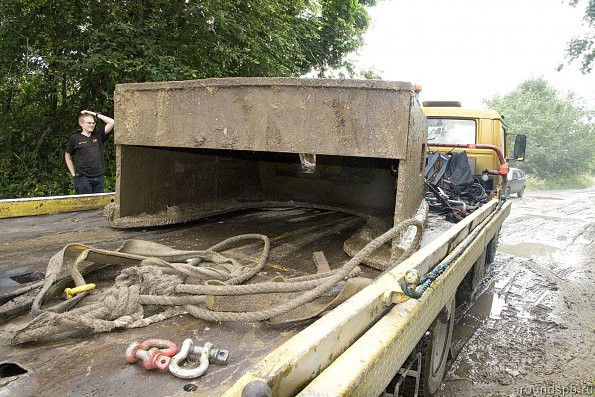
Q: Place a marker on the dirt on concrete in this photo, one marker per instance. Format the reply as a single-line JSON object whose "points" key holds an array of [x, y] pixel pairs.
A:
{"points": [[531, 329]]}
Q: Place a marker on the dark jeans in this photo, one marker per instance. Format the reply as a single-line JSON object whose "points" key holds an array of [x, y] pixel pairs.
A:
{"points": [[88, 184]]}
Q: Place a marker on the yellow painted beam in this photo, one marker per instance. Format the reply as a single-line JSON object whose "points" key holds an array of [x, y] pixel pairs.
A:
{"points": [[370, 363], [13, 208]]}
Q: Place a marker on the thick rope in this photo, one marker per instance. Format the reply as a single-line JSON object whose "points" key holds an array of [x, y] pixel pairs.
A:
{"points": [[318, 290], [427, 279], [120, 306], [283, 285], [152, 254], [156, 282]]}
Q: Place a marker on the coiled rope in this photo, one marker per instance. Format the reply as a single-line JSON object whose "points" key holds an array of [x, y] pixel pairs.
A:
{"points": [[155, 281]]}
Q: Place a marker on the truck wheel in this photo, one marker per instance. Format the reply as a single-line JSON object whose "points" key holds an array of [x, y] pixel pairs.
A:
{"points": [[435, 352], [472, 280], [491, 248], [520, 193]]}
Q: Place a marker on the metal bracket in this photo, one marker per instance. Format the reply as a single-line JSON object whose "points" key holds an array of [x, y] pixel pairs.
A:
{"points": [[395, 296], [407, 372]]}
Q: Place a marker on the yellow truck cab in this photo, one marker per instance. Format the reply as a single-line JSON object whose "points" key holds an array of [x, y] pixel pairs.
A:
{"points": [[480, 132]]}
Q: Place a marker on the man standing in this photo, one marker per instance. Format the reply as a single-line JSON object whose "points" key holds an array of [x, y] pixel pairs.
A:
{"points": [[86, 148]]}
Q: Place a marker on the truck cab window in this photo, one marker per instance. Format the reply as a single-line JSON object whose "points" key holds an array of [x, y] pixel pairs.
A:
{"points": [[451, 130]]}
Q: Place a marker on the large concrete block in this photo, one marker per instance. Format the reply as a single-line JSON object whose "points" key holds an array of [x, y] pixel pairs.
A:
{"points": [[191, 149], [333, 117]]}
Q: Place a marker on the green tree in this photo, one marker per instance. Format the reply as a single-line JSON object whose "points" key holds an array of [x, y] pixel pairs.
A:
{"points": [[60, 56], [583, 46], [560, 132]]}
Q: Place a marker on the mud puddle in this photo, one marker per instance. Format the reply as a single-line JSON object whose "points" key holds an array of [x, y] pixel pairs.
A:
{"points": [[529, 250], [489, 304]]}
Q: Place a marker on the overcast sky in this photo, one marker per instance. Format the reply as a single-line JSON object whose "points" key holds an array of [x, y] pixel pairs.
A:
{"points": [[470, 50]]}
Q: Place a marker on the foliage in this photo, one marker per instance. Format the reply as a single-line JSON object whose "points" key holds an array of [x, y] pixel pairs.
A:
{"points": [[370, 74], [583, 46], [58, 57], [574, 182], [560, 132], [534, 183]]}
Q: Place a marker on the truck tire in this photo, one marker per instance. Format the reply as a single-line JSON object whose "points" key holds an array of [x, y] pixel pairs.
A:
{"points": [[491, 248], [520, 193], [435, 353], [472, 280]]}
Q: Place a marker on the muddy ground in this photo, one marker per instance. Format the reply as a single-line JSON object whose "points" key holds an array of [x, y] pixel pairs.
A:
{"points": [[531, 330]]}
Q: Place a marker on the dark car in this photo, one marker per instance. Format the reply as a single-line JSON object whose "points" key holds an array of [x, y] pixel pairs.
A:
{"points": [[516, 182]]}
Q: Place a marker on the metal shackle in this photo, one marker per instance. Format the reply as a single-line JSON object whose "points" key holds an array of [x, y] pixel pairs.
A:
{"points": [[206, 352], [218, 356], [154, 353]]}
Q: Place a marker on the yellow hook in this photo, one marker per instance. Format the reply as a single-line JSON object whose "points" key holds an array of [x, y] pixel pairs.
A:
{"points": [[70, 292]]}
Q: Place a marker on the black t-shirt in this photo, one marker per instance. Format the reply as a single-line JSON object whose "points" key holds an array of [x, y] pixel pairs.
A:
{"points": [[87, 152]]}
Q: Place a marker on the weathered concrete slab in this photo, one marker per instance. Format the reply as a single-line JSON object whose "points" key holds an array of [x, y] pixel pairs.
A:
{"points": [[191, 149], [334, 117]]}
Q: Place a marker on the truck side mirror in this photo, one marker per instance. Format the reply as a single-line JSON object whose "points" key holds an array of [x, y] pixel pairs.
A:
{"points": [[520, 143]]}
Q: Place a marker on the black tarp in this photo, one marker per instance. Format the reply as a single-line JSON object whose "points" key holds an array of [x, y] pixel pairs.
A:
{"points": [[458, 170]]}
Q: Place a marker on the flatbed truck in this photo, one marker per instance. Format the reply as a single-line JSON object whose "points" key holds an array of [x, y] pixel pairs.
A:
{"points": [[318, 166]]}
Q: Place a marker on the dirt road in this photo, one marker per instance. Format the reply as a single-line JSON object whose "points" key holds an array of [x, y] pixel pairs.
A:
{"points": [[531, 332]]}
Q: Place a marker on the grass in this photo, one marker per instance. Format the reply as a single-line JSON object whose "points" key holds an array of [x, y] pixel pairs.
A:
{"points": [[575, 182]]}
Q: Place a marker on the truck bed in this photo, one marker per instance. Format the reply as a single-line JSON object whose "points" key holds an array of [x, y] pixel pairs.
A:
{"points": [[79, 365], [83, 365]]}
